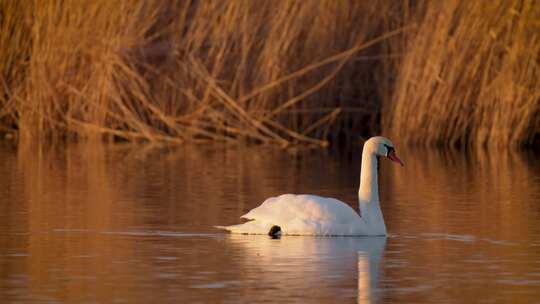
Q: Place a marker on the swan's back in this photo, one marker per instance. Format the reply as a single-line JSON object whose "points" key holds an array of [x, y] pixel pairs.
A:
{"points": [[301, 215]]}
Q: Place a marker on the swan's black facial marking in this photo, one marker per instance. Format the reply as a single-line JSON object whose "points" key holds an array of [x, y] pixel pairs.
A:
{"points": [[388, 149]]}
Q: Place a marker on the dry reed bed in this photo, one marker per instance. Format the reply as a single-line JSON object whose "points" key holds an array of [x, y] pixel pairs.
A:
{"points": [[182, 71], [470, 75], [281, 72]]}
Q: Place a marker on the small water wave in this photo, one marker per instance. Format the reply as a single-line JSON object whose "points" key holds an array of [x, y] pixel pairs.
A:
{"points": [[519, 282], [451, 237], [459, 238], [209, 285], [162, 233], [500, 242], [412, 289], [166, 258], [17, 254], [70, 230], [139, 232]]}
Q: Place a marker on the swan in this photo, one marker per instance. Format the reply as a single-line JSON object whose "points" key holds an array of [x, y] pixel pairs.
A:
{"points": [[305, 214]]}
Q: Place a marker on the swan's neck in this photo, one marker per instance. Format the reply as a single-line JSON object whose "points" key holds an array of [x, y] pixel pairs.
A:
{"points": [[368, 194], [369, 188]]}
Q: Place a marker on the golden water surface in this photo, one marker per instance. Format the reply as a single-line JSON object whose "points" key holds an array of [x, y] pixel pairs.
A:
{"points": [[133, 224]]}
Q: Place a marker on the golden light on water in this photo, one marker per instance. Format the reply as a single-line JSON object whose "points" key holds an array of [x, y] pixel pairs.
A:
{"points": [[364, 279], [99, 222]]}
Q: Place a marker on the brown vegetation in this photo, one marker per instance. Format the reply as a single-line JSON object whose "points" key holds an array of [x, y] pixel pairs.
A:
{"points": [[470, 75], [266, 71]]}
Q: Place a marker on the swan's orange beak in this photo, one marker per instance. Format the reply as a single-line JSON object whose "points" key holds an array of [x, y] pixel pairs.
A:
{"points": [[393, 157]]}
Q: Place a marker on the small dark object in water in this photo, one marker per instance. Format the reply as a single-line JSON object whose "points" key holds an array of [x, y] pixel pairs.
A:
{"points": [[275, 232]]}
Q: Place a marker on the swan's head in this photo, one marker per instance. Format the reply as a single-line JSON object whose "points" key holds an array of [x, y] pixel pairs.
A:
{"points": [[382, 146]]}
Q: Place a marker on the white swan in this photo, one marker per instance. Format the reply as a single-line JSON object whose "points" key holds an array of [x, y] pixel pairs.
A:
{"points": [[314, 215]]}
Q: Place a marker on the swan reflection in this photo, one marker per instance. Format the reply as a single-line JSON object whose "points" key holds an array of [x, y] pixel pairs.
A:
{"points": [[279, 268], [368, 263]]}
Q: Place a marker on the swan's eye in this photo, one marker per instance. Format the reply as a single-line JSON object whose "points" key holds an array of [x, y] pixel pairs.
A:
{"points": [[388, 149]]}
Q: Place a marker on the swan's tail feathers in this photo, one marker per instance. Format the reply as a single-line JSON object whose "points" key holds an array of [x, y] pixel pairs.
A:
{"points": [[231, 228], [251, 227]]}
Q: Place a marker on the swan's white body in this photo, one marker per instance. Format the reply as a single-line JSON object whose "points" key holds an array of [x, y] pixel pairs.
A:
{"points": [[305, 215], [315, 215]]}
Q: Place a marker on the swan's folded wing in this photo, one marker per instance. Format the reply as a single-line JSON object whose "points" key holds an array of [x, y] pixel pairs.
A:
{"points": [[281, 209], [290, 207]]}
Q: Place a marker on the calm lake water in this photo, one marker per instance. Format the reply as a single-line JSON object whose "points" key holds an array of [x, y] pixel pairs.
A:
{"points": [[133, 224]]}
